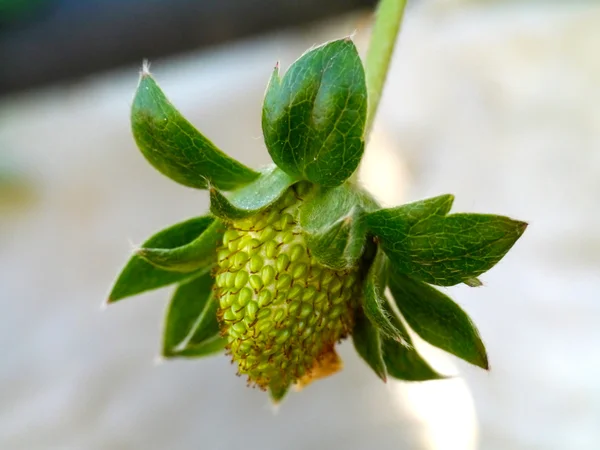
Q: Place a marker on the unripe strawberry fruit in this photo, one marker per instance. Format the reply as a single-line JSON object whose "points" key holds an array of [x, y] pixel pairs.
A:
{"points": [[281, 311]]}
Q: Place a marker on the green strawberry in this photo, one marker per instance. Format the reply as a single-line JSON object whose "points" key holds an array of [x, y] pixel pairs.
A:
{"points": [[280, 309]]}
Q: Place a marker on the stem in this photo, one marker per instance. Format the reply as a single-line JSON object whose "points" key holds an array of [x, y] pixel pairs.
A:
{"points": [[388, 19]]}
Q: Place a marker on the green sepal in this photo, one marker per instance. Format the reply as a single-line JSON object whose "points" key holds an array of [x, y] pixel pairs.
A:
{"points": [[437, 319], [415, 212], [394, 224], [191, 327], [374, 301], [201, 253], [341, 245], [278, 392], [175, 148], [332, 223], [425, 243], [209, 347], [206, 336], [367, 342], [252, 198], [139, 275], [407, 364], [404, 362], [314, 117]]}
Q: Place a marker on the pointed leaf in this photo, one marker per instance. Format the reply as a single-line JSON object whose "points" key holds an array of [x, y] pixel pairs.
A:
{"points": [[175, 148], [211, 346], [198, 254], [443, 250], [394, 223], [333, 225], [187, 304], [423, 209], [457, 248], [374, 301], [252, 198], [328, 205], [191, 326], [139, 276], [437, 319], [206, 327], [404, 362], [314, 117], [341, 245], [367, 342]]}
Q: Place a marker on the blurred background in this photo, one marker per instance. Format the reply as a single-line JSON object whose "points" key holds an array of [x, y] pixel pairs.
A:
{"points": [[497, 102]]}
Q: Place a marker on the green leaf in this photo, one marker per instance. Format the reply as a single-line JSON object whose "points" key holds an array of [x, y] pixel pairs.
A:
{"points": [[328, 205], [215, 344], [198, 254], [406, 364], [333, 225], [314, 117], [459, 247], [187, 304], [402, 361], [420, 210], [421, 241], [374, 301], [139, 276], [396, 223], [252, 198], [367, 342], [278, 392], [341, 245], [191, 326], [437, 319], [206, 330], [175, 148]]}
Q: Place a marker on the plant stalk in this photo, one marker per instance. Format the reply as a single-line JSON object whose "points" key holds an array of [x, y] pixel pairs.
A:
{"points": [[388, 18]]}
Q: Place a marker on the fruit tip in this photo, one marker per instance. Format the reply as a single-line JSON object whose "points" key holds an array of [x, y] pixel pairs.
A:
{"points": [[158, 360]]}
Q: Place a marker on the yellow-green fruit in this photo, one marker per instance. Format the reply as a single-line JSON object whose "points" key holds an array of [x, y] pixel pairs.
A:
{"points": [[281, 311]]}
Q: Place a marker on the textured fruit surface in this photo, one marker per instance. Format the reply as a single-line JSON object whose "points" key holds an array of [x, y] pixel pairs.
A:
{"points": [[281, 311]]}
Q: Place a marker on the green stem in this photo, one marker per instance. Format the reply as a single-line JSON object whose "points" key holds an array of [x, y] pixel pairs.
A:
{"points": [[388, 19]]}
